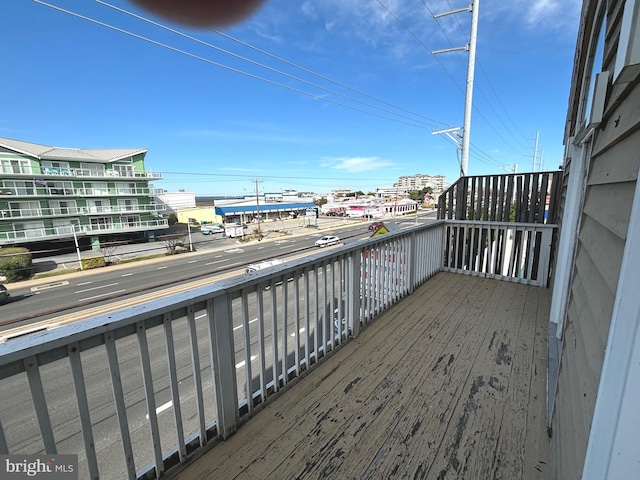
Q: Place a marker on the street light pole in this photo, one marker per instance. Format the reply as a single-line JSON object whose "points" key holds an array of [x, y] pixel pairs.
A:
{"points": [[189, 229], [75, 240]]}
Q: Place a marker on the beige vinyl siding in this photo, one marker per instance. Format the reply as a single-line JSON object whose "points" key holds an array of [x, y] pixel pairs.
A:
{"points": [[610, 187], [601, 240]]}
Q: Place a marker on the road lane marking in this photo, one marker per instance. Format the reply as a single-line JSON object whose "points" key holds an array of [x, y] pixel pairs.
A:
{"points": [[240, 326], [84, 283], [162, 408], [103, 295], [217, 261], [96, 288], [301, 331], [192, 261], [162, 268], [243, 362], [126, 274]]}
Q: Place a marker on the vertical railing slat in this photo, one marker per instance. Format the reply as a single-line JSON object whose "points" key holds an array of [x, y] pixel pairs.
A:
{"points": [[73, 351], [40, 404], [197, 376], [261, 348], [246, 333], [121, 409], [274, 337], [150, 398], [285, 331], [4, 448], [173, 385]]}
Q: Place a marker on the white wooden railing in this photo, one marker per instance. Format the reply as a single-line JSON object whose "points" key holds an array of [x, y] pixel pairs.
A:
{"points": [[139, 390]]}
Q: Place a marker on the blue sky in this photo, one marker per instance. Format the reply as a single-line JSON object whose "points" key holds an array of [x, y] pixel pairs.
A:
{"points": [[360, 95]]}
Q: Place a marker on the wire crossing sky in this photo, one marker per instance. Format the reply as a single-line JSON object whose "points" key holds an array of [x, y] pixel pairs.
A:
{"points": [[307, 95]]}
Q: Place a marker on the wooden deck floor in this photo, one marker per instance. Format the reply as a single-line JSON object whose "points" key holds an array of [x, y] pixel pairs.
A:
{"points": [[449, 383]]}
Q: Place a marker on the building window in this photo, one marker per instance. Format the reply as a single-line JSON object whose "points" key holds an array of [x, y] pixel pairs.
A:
{"points": [[130, 221], [29, 230], [15, 166], [594, 65], [63, 207], [96, 188], [128, 204], [126, 188], [101, 223], [24, 209], [55, 168], [92, 170]]}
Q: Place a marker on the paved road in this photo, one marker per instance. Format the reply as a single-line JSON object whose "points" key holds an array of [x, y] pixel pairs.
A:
{"points": [[49, 297]]}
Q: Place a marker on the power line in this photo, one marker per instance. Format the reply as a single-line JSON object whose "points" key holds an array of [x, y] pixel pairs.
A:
{"points": [[253, 62], [476, 109], [359, 92]]}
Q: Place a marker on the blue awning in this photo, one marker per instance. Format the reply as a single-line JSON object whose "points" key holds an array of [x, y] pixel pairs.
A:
{"points": [[266, 208]]}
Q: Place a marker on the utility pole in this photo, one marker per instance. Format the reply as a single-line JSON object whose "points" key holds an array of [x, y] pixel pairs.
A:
{"points": [[258, 208], [468, 102]]}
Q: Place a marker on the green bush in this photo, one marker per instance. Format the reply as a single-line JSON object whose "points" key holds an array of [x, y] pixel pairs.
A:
{"points": [[93, 262], [15, 263], [173, 219]]}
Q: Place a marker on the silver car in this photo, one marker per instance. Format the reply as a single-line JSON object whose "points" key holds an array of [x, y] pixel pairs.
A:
{"points": [[327, 240]]}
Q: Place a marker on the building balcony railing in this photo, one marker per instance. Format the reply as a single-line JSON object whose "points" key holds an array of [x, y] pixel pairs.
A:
{"points": [[518, 197], [66, 231], [71, 211], [31, 192], [209, 356], [45, 172]]}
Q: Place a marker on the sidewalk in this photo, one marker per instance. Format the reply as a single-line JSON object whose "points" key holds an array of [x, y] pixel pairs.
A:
{"points": [[272, 231]]}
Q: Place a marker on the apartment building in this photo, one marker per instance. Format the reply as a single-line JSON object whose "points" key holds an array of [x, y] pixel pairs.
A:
{"points": [[53, 193], [419, 181]]}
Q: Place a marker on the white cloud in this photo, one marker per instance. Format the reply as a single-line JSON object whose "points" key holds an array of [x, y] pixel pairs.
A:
{"points": [[356, 164]]}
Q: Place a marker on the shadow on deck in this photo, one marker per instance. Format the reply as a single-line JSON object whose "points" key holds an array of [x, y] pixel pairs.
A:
{"points": [[449, 383]]}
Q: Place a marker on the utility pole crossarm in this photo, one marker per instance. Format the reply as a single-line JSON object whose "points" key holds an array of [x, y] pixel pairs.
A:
{"points": [[468, 103]]}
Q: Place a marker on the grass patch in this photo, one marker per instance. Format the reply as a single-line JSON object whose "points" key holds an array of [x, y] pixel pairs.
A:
{"points": [[139, 259], [55, 273]]}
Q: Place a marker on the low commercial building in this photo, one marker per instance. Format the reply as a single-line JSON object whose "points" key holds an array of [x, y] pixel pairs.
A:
{"points": [[53, 193]]}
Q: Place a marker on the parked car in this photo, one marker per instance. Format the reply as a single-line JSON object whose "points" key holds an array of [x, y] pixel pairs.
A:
{"points": [[375, 225], [327, 240], [210, 229], [4, 294]]}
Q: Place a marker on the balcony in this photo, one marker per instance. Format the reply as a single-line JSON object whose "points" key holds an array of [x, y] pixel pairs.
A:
{"points": [[26, 171], [367, 357], [32, 192], [74, 211], [42, 233]]}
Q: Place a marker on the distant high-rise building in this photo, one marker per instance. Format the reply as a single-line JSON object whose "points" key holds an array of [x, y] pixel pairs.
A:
{"points": [[419, 181]]}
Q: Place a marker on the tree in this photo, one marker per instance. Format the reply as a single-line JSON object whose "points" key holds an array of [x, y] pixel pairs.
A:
{"points": [[173, 219], [173, 243], [418, 195], [109, 248], [320, 201]]}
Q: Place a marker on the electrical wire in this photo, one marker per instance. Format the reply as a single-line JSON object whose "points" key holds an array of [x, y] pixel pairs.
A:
{"points": [[226, 67], [253, 62]]}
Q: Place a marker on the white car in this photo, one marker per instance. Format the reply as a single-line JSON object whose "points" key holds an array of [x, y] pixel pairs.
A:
{"points": [[327, 240], [210, 229]]}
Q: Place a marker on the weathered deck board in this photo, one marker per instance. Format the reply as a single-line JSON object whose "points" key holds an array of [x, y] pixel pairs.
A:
{"points": [[447, 384]]}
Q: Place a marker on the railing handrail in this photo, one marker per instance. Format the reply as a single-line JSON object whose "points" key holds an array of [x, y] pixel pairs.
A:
{"points": [[77, 172], [527, 196], [122, 318], [333, 294]]}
